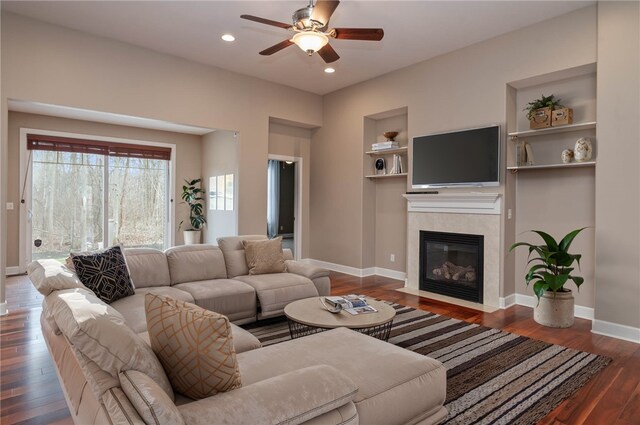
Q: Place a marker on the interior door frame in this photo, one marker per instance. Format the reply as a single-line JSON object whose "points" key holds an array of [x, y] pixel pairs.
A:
{"points": [[26, 180], [297, 201]]}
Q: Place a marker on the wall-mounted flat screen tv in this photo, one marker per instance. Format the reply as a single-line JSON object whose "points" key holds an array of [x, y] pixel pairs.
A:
{"points": [[459, 158]]}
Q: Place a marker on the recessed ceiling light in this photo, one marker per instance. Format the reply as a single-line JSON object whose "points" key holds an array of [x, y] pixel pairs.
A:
{"points": [[329, 70], [228, 37]]}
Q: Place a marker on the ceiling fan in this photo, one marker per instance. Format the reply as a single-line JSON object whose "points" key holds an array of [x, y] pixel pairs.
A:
{"points": [[310, 27]]}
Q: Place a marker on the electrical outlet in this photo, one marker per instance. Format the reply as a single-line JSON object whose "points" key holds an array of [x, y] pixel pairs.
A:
{"points": [[509, 214], [392, 258], [9, 205]]}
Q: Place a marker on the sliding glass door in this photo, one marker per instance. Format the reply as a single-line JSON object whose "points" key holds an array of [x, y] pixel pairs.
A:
{"points": [[87, 201]]}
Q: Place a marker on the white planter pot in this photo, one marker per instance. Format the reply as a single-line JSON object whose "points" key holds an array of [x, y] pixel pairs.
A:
{"points": [[555, 310], [192, 237]]}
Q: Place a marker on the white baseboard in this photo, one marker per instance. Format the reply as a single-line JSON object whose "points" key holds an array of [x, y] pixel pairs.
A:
{"points": [[353, 271], [3, 309], [578, 310], [12, 271], [615, 330], [508, 301]]}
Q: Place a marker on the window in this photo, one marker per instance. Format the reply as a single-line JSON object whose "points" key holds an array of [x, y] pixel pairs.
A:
{"points": [[89, 194], [221, 192]]}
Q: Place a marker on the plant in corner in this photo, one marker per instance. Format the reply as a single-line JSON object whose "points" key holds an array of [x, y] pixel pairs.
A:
{"points": [[192, 195], [550, 269]]}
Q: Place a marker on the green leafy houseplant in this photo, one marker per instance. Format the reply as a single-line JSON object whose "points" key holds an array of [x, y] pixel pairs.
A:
{"points": [[542, 102], [192, 196], [551, 268]]}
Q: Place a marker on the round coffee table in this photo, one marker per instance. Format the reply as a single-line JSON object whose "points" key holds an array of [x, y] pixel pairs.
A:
{"points": [[309, 316]]}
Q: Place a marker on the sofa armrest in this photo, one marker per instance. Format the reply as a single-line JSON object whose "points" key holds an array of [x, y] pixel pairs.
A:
{"points": [[306, 270], [292, 398]]}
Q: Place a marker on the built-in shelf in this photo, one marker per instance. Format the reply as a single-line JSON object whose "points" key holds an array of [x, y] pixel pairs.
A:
{"points": [[554, 130], [541, 167], [402, 150], [385, 176]]}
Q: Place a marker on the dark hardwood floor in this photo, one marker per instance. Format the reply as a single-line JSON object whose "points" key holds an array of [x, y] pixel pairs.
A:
{"points": [[30, 393]]}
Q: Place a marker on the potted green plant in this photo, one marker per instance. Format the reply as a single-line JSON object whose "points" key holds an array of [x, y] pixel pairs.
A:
{"points": [[192, 195], [550, 269], [539, 111]]}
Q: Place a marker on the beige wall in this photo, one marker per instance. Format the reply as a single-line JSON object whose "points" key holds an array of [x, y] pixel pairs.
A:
{"points": [[54, 65], [462, 89], [294, 141], [220, 156], [187, 162], [617, 173]]}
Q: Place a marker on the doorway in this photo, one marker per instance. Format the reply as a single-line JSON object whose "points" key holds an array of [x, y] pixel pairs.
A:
{"points": [[283, 201]]}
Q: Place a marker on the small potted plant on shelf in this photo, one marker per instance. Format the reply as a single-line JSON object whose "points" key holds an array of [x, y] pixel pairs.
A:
{"points": [[549, 272], [539, 111], [192, 196]]}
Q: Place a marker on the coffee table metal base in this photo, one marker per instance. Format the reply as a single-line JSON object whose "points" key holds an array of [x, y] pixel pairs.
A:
{"points": [[298, 330]]}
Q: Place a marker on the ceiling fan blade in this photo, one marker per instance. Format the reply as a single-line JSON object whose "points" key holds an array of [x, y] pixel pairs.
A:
{"points": [[367, 34], [328, 54], [276, 48], [323, 10], [266, 21]]}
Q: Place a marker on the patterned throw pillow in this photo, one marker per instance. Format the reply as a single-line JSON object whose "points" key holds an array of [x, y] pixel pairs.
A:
{"points": [[194, 345], [264, 256], [105, 273]]}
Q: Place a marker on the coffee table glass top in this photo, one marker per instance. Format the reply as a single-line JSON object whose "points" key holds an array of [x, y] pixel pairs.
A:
{"points": [[311, 312]]}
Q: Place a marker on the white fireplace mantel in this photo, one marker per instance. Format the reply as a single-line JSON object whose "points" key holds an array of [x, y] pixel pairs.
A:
{"points": [[456, 203]]}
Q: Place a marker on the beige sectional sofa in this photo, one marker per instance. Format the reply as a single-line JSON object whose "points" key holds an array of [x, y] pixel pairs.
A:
{"points": [[335, 377]]}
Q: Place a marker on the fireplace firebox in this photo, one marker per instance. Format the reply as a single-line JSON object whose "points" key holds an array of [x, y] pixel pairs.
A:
{"points": [[452, 264]]}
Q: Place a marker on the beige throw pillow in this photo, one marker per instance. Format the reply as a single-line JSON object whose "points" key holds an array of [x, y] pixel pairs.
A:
{"points": [[264, 256], [194, 345]]}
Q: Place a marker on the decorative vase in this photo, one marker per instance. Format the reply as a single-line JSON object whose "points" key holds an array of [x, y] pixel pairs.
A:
{"points": [[555, 310], [192, 237], [567, 156], [390, 135], [583, 149]]}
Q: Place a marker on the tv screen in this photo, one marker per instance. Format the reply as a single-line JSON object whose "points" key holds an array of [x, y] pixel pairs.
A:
{"points": [[460, 158]]}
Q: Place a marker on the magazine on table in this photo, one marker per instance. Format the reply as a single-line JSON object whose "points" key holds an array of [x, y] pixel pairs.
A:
{"points": [[352, 304]]}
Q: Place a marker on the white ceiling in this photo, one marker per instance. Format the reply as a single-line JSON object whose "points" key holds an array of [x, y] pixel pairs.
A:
{"points": [[414, 31]]}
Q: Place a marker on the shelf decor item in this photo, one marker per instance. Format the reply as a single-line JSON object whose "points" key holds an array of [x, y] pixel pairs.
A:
{"points": [[567, 156], [539, 111], [583, 150], [390, 135], [381, 166], [549, 271], [562, 116]]}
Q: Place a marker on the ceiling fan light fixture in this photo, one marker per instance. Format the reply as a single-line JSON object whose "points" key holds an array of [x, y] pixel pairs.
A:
{"points": [[310, 41]]}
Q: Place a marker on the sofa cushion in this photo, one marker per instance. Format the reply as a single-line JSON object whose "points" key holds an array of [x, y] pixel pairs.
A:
{"points": [[152, 404], [51, 275], [233, 251], [132, 308], [264, 256], [147, 267], [194, 345], [233, 298], [276, 290], [100, 333], [242, 339], [105, 273], [395, 385], [190, 263]]}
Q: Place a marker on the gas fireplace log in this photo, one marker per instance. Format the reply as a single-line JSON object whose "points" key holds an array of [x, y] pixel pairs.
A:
{"points": [[452, 271]]}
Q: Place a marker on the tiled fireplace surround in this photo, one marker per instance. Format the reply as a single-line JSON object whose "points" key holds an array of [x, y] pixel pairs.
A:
{"points": [[470, 213]]}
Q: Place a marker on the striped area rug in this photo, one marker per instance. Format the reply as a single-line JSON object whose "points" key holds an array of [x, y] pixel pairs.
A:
{"points": [[493, 377]]}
